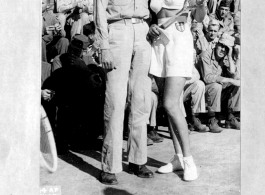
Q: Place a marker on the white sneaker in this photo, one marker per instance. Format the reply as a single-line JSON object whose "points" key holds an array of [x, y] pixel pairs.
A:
{"points": [[176, 164], [190, 169]]}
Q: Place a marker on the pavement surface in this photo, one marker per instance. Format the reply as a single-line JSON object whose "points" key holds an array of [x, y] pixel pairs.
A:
{"points": [[217, 156]]}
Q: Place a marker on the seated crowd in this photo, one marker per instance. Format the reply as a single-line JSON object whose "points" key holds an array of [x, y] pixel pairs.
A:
{"points": [[73, 83]]}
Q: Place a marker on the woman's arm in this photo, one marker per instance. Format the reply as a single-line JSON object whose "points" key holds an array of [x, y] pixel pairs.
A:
{"points": [[201, 10]]}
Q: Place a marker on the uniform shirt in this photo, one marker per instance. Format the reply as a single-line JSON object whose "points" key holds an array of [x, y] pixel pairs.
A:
{"points": [[227, 24], [210, 69], [111, 10], [202, 44]]}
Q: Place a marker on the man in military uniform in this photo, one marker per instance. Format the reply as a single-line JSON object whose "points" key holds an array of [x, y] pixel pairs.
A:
{"points": [[222, 83], [53, 35], [208, 42], [125, 52], [224, 17]]}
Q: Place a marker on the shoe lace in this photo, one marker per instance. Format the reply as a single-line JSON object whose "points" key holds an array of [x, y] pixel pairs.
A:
{"points": [[186, 163]]}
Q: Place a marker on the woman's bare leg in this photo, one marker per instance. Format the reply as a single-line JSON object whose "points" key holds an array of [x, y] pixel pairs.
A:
{"points": [[174, 137], [172, 91]]}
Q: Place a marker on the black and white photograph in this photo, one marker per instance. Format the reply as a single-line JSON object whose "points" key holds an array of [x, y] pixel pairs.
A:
{"points": [[131, 97]]}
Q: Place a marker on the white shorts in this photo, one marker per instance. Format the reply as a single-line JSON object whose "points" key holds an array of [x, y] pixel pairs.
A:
{"points": [[175, 58]]}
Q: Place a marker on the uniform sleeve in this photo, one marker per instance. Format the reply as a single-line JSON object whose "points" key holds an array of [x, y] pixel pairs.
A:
{"points": [[206, 69], [201, 45], [231, 27], [100, 18], [56, 64]]}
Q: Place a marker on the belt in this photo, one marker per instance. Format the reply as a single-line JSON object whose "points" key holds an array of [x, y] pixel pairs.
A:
{"points": [[127, 21]]}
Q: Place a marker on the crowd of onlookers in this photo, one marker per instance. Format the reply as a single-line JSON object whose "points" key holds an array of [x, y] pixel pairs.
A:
{"points": [[73, 83]]}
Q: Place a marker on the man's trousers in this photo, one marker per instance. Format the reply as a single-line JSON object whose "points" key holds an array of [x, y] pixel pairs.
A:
{"points": [[215, 94], [131, 53]]}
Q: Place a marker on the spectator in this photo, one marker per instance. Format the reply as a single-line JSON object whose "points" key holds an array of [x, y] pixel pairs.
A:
{"points": [[53, 41], [209, 41], [79, 96], [221, 83], [235, 6], [92, 55], [224, 17], [57, 60], [65, 8], [126, 55], [75, 21]]}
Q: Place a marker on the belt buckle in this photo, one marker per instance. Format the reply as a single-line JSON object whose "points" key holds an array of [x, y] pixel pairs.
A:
{"points": [[136, 20]]}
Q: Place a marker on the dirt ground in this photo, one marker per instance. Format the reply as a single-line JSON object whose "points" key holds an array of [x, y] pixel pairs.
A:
{"points": [[217, 157]]}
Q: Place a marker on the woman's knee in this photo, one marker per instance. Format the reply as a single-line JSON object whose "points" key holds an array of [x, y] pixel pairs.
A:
{"points": [[170, 105]]}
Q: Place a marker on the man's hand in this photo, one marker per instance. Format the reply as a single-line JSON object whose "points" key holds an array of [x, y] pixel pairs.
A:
{"points": [[58, 27], [50, 30], [230, 51], [231, 81], [199, 33], [107, 59], [46, 94], [235, 82], [153, 32]]}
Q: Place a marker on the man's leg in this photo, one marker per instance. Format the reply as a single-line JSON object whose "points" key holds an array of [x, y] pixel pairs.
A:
{"points": [[62, 46], [151, 129], [232, 95], [154, 103], [121, 47], [140, 98], [196, 91], [58, 46], [140, 95], [213, 93]]}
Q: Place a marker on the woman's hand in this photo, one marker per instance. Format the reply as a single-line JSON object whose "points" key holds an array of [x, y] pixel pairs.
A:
{"points": [[153, 32], [201, 2]]}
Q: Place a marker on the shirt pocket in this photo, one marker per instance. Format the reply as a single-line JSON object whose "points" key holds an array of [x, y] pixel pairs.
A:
{"points": [[120, 2]]}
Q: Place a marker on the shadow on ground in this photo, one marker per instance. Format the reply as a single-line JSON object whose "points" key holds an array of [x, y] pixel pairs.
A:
{"points": [[79, 163], [114, 191]]}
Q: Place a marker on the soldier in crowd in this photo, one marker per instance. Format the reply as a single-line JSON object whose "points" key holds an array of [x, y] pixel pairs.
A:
{"points": [[220, 75]]}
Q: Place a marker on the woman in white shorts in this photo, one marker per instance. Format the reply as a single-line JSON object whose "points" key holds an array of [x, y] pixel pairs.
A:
{"points": [[172, 59]]}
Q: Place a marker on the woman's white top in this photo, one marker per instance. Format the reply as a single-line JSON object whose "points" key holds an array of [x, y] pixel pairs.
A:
{"points": [[156, 5]]}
